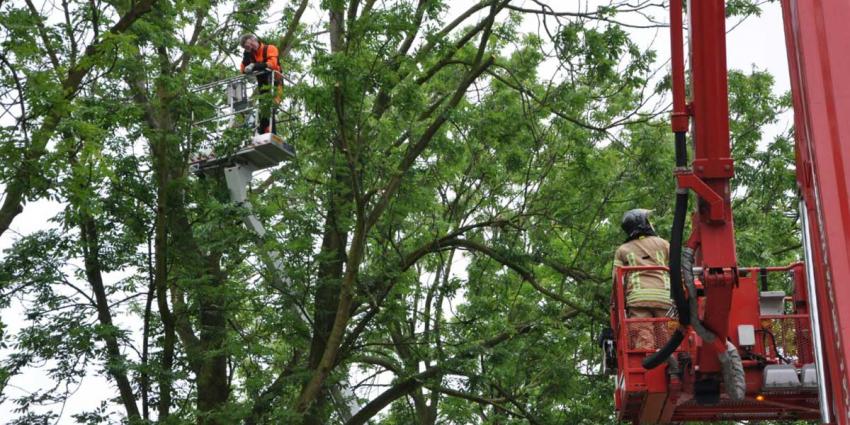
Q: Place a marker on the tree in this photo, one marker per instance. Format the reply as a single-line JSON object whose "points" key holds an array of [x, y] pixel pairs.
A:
{"points": [[450, 217]]}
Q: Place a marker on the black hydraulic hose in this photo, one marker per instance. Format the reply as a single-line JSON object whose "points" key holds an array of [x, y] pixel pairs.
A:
{"points": [[681, 150], [657, 358], [677, 293], [680, 212]]}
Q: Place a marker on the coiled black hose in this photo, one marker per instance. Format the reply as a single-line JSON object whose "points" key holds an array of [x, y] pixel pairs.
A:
{"points": [[677, 293]]}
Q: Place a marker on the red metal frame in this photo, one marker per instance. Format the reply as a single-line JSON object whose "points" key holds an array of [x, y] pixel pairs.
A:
{"points": [[817, 34], [713, 235], [681, 114], [649, 396], [818, 41]]}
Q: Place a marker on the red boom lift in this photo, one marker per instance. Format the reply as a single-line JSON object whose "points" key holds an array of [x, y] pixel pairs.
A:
{"points": [[791, 348]]}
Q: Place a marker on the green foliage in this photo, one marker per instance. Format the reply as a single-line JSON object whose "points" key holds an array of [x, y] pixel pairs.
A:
{"points": [[765, 205], [487, 208], [745, 8]]}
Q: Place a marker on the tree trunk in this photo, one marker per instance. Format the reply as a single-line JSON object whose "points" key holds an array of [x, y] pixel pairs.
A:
{"points": [[169, 337], [146, 335], [332, 258], [116, 366], [213, 385]]}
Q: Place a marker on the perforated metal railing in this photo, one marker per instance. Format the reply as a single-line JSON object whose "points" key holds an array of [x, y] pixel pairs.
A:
{"points": [[649, 334], [787, 337], [641, 333]]}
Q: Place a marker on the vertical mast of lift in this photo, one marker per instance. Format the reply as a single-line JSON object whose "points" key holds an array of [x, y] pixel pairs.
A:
{"points": [[712, 168], [712, 238]]}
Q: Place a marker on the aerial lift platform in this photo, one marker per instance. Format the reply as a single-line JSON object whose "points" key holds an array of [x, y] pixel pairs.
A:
{"points": [[790, 349], [239, 109], [776, 344]]}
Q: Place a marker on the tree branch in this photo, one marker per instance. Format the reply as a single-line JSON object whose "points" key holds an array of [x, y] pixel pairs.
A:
{"points": [[407, 385], [21, 183], [414, 151]]}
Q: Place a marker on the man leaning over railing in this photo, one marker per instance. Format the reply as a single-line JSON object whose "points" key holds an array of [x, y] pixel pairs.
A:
{"points": [[262, 59]]}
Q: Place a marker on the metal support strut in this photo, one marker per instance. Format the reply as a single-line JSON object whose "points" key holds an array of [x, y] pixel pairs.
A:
{"points": [[238, 178], [814, 315]]}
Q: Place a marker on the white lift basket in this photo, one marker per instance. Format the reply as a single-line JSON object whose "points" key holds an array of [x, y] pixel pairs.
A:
{"points": [[237, 107]]}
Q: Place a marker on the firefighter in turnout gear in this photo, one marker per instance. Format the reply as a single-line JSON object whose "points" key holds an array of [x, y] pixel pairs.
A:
{"points": [[262, 60], [647, 292]]}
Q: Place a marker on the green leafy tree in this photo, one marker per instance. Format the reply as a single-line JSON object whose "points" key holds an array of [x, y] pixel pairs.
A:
{"points": [[445, 232]]}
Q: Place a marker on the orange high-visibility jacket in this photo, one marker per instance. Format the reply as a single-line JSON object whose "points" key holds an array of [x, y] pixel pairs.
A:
{"points": [[267, 53]]}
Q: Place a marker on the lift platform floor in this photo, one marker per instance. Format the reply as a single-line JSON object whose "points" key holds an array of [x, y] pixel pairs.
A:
{"points": [[264, 151]]}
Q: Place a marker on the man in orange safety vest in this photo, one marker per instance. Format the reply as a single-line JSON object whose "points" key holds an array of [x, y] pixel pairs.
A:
{"points": [[262, 60]]}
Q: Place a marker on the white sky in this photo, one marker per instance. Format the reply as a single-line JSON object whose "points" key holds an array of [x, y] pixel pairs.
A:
{"points": [[759, 41]]}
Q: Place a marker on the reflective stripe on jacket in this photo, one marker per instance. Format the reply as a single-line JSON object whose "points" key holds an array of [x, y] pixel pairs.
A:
{"points": [[650, 288]]}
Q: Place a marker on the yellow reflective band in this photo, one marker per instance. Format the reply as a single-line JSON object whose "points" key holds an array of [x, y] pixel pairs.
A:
{"points": [[634, 277], [648, 294], [659, 256]]}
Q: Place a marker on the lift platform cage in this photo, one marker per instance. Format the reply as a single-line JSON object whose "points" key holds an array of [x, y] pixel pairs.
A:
{"points": [[225, 119], [771, 330]]}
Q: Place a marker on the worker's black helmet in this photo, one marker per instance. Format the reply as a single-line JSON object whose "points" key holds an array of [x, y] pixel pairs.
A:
{"points": [[636, 223]]}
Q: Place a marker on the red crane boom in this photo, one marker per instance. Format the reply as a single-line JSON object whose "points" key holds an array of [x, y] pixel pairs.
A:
{"points": [[795, 361]]}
